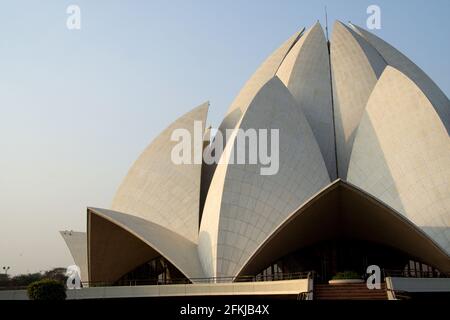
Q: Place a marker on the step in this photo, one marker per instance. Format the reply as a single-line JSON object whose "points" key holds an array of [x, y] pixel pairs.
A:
{"points": [[358, 285], [384, 297], [354, 291], [350, 291], [350, 294], [348, 288], [351, 298]]}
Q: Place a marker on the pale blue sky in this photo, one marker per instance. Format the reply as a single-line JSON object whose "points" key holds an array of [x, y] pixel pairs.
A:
{"points": [[77, 107]]}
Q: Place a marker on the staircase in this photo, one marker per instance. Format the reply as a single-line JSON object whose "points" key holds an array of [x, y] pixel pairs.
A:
{"points": [[354, 291]]}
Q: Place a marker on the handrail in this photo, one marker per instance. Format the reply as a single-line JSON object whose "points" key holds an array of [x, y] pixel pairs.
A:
{"points": [[396, 294], [414, 274], [304, 295], [245, 278], [137, 282]]}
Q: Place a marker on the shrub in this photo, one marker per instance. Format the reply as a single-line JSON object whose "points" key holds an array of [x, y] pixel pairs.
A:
{"points": [[46, 289], [346, 275]]}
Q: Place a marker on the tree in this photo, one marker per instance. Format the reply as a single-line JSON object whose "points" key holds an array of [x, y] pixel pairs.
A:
{"points": [[46, 289], [4, 280], [58, 274], [24, 280]]}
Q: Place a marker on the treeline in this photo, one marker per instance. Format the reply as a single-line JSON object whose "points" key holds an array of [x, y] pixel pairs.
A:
{"points": [[23, 280]]}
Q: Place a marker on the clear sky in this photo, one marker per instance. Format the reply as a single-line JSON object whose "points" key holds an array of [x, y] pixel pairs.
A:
{"points": [[77, 107]]}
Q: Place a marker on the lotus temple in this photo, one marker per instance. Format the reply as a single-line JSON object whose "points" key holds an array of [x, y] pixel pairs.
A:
{"points": [[363, 180]]}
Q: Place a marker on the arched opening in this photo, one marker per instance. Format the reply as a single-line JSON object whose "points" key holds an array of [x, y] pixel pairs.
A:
{"points": [[152, 272], [118, 257], [345, 229], [328, 258]]}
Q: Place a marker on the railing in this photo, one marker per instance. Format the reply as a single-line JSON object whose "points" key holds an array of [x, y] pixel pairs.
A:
{"points": [[140, 282], [304, 295], [399, 294], [258, 278], [308, 295], [414, 274], [405, 295]]}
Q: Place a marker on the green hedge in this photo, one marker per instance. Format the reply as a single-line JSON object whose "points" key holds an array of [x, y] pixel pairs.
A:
{"points": [[46, 289], [346, 275]]}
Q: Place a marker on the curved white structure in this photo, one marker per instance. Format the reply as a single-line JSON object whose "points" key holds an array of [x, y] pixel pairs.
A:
{"points": [[176, 249], [399, 61], [363, 162], [243, 207], [401, 155], [356, 67], [306, 73], [154, 181], [265, 72], [77, 244]]}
